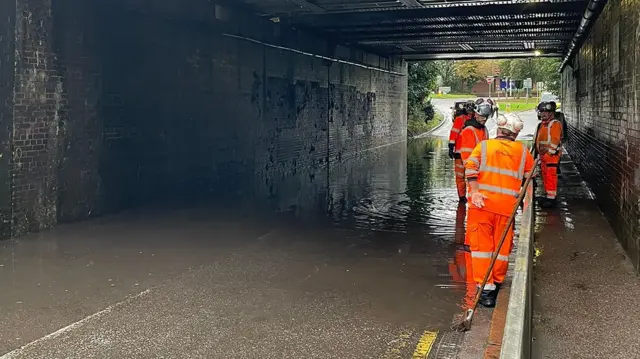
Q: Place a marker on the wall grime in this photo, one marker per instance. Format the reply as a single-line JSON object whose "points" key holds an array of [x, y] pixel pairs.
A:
{"points": [[600, 99], [172, 103], [7, 73], [39, 106]]}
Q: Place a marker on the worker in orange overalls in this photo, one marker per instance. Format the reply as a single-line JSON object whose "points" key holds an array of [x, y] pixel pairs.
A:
{"points": [[454, 147], [460, 266], [495, 171], [474, 130], [547, 144]]}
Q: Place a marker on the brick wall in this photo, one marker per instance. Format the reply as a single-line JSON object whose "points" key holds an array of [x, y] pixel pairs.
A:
{"points": [[602, 109], [121, 103], [39, 108], [7, 68]]}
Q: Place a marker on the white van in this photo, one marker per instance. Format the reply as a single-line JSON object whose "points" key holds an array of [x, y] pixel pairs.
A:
{"points": [[548, 96]]}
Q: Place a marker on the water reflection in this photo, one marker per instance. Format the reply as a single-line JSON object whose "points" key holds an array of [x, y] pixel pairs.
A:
{"points": [[571, 188], [405, 188], [403, 198]]}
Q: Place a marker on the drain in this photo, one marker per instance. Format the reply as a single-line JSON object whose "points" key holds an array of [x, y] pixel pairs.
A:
{"points": [[447, 346]]}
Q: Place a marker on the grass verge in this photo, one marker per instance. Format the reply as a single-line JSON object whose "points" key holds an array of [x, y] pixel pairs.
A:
{"points": [[417, 126], [516, 106]]}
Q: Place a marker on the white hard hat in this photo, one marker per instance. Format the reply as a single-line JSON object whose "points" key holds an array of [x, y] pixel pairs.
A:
{"points": [[510, 121], [484, 110]]}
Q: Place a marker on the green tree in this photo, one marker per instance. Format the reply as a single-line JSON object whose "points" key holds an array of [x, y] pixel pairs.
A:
{"points": [[538, 69], [547, 72], [467, 72], [422, 80], [487, 67], [421, 83], [505, 67], [447, 71]]}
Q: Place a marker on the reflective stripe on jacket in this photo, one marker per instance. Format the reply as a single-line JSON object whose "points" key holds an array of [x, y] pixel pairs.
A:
{"points": [[499, 166], [548, 137], [469, 139], [454, 135]]}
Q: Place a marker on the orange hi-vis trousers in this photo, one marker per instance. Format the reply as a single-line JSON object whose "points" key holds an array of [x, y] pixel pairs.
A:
{"points": [[461, 215], [461, 184], [549, 171], [460, 267], [461, 270], [484, 230]]}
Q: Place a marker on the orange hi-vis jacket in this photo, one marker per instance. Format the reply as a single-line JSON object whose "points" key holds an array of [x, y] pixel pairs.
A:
{"points": [[469, 139], [499, 165], [549, 137], [456, 129]]}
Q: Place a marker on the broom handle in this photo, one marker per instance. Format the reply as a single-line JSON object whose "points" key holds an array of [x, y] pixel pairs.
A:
{"points": [[523, 193]]}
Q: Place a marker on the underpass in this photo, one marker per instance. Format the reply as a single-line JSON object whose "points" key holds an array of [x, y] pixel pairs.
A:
{"points": [[233, 179]]}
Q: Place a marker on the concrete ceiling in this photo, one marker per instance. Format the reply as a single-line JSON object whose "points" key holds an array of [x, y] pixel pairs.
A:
{"points": [[436, 29]]}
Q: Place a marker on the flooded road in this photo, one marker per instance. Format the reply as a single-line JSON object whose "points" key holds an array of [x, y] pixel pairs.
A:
{"points": [[366, 278]]}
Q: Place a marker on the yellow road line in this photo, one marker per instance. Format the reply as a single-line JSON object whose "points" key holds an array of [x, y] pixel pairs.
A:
{"points": [[399, 345], [424, 345]]}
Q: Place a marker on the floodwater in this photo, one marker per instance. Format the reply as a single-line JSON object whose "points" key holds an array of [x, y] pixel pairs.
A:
{"points": [[363, 279]]}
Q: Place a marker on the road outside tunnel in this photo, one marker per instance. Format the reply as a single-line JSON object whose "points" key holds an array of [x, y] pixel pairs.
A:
{"points": [[529, 118]]}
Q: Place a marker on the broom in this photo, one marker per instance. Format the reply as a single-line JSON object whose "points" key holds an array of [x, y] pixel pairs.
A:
{"points": [[467, 317]]}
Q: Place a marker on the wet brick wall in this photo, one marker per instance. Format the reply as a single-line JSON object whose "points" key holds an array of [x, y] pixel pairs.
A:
{"points": [[7, 68], [39, 108], [124, 103], [602, 107]]}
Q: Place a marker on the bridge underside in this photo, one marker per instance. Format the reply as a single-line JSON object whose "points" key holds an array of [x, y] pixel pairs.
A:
{"points": [[435, 29]]}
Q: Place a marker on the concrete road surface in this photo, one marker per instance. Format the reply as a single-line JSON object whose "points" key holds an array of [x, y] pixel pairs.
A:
{"points": [[444, 105]]}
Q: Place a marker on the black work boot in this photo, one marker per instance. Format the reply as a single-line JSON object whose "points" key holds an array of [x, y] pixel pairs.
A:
{"points": [[497, 290], [488, 297], [463, 199]]}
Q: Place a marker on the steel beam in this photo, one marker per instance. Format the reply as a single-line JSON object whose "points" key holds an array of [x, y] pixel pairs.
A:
{"points": [[439, 28], [309, 6], [475, 39], [591, 13], [411, 3], [406, 48], [573, 18], [408, 15], [457, 48], [476, 55], [528, 30]]}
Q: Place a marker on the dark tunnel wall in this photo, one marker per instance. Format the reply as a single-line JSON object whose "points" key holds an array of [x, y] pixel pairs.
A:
{"points": [[7, 67], [601, 101], [125, 102]]}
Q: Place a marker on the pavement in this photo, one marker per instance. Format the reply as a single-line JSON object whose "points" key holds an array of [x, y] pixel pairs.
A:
{"points": [[586, 292], [529, 118]]}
